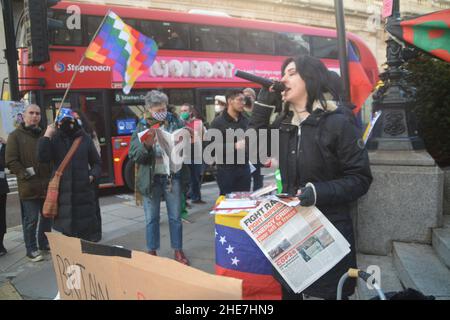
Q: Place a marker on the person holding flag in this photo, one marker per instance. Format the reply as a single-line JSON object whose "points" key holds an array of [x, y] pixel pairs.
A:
{"points": [[76, 200]]}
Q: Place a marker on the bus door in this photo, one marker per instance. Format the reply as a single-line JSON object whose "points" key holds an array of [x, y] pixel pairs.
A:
{"points": [[93, 107]]}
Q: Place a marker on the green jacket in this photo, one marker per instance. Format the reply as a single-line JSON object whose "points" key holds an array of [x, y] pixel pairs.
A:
{"points": [[145, 159], [21, 153]]}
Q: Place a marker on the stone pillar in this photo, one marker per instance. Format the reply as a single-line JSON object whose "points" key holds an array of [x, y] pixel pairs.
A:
{"points": [[404, 201]]}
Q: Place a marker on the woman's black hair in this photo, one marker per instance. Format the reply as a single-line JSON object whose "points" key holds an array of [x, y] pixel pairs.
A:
{"points": [[315, 74]]}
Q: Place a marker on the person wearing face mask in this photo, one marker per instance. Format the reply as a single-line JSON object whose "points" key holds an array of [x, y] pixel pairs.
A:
{"points": [[322, 158], [220, 104], [76, 203], [250, 97], [32, 181], [195, 165], [233, 175], [153, 178]]}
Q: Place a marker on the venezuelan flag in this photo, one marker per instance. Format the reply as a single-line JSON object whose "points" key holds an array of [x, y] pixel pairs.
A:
{"points": [[120, 46], [238, 256]]}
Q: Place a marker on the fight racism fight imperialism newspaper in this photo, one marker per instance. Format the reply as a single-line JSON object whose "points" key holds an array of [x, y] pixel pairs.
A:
{"points": [[300, 242]]}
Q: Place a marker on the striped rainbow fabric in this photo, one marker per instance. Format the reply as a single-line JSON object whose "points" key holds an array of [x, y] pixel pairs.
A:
{"points": [[238, 256], [126, 50]]}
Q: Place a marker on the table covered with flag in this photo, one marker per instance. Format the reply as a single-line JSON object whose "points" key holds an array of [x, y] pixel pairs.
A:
{"points": [[238, 256]]}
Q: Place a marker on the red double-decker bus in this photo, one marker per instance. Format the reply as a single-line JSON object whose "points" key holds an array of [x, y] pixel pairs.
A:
{"points": [[197, 57]]}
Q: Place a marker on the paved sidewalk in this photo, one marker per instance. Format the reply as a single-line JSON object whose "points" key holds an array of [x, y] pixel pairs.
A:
{"points": [[123, 224]]}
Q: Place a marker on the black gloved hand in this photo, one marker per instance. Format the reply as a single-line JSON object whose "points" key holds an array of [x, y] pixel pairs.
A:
{"points": [[270, 98], [307, 196]]}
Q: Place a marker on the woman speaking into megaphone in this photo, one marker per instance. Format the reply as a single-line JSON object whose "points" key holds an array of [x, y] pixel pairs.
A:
{"points": [[321, 157]]}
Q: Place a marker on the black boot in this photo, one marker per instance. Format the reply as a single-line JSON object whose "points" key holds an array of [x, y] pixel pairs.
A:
{"points": [[3, 250]]}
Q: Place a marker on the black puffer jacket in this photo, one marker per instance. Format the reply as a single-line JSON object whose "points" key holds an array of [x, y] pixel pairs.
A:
{"points": [[329, 154], [76, 211], [3, 182]]}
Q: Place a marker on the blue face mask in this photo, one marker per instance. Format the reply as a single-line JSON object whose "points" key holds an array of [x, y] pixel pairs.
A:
{"points": [[159, 116]]}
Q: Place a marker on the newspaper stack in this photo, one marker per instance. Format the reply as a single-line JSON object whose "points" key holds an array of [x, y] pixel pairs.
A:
{"points": [[232, 206], [237, 202], [300, 242]]}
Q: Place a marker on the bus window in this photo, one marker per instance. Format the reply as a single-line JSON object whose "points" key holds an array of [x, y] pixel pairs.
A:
{"points": [[180, 96], [167, 35], [65, 37], [93, 22], [355, 50], [131, 22], [122, 113], [52, 103], [292, 44], [253, 41], [21, 39], [209, 109], [209, 38], [126, 111], [324, 47]]}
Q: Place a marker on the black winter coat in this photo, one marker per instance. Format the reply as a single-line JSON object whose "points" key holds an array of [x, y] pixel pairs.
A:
{"points": [[329, 154], [76, 201], [3, 182]]}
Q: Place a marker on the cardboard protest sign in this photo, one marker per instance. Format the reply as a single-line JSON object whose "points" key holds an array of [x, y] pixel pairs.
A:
{"points": [[89, 271]]}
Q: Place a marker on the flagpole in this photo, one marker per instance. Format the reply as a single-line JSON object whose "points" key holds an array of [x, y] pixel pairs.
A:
{"points": [[81, 61]]}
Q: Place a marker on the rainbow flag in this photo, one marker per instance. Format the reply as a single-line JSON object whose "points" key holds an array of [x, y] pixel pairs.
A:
{"points": [[238, 256], [123, 48]]}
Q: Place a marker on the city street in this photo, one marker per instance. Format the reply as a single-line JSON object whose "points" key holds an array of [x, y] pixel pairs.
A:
{"points": [[340, 105], [123, 225]]}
